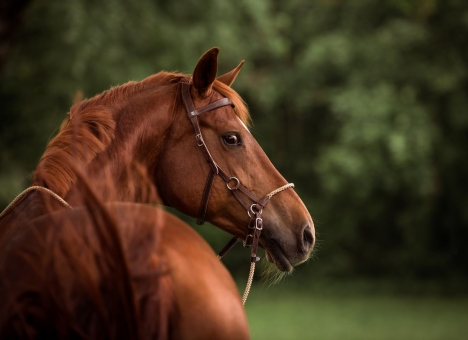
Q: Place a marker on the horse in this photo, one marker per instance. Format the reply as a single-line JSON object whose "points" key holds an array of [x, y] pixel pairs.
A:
{"points": [[146, 122], [185, 136]]}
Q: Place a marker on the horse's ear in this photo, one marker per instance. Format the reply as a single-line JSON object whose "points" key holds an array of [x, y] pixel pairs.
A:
{"points": [[205, 72], [228, 78]]}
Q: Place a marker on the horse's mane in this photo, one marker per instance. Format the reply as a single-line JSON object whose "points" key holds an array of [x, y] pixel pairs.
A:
{"points": [[90, 126]]}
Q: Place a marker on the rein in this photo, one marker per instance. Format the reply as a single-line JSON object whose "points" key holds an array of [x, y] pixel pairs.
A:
{"points": [[233, 184], [22, 195]]}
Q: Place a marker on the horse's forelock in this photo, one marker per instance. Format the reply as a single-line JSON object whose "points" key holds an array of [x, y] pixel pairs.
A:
{"points": [[240, 106]]}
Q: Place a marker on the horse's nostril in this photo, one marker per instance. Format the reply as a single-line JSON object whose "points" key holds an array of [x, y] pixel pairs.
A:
{"points": [[307, 239]]}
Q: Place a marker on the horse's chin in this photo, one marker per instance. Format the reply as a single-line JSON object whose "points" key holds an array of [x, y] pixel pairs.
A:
{"points": [[271, 273], [277, 258], [276, 255]]}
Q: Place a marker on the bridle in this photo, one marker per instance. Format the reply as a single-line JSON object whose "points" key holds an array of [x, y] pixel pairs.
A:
{"points": [[254, 210]]}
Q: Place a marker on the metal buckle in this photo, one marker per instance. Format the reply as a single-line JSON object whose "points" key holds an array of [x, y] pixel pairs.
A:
{"points": [[254, 212], [235, 186], [248, 241], [256, 223], [258, 210], [200, 140]]}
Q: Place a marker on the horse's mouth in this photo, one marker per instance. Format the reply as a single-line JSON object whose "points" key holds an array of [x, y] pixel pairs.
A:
{"points": [[275, 255]]}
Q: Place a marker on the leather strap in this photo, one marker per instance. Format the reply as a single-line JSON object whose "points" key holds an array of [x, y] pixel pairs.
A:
{"points": [[212, 106], [228, 246], [206, 196]]}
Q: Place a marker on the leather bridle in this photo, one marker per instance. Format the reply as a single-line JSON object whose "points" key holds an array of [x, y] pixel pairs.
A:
{"points": [[255, 209]]}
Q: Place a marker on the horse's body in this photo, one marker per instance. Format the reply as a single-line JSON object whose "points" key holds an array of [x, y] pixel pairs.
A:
{"points": [[64, 276], [134, 140]]}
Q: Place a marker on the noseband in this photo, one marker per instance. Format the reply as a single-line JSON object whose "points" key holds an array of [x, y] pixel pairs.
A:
{"points": [[233, 184]]}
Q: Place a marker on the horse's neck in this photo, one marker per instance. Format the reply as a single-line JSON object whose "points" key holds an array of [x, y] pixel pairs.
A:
{"points": [[114, 180], [123, 171]]}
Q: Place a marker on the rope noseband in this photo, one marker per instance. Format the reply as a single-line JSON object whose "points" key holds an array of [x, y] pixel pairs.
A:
{"points": [[254, 210]]}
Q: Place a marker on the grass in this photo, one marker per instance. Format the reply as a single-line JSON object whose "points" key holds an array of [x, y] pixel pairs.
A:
{"points": [[280, 313]]}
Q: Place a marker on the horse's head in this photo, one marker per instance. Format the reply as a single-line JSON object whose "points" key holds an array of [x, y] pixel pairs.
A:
{"points": [[209, 140]]}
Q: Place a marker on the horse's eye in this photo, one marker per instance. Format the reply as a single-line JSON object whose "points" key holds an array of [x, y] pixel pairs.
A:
{"points": [[232, 139]]}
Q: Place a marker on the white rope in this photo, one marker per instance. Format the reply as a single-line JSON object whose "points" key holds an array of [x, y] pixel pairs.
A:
{"points": [[249, 283], [25, 192], [277, 191]]}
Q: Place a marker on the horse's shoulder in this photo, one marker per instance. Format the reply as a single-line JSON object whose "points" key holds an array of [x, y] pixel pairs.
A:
{"points": [[208, 302]]}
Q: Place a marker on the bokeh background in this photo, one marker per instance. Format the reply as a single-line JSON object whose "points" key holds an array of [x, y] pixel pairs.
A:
{"points": [[362, 104]]}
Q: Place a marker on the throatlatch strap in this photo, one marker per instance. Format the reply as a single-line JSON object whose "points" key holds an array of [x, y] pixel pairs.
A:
{"points": [[205, 198]]}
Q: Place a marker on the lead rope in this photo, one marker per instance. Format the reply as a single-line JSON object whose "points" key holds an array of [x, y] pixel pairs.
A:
{"points": [[26, 191], [252, 264], [249, 283]]}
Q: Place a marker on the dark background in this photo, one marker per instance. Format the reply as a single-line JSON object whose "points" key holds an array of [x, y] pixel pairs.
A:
{"points": [[362, 104]]}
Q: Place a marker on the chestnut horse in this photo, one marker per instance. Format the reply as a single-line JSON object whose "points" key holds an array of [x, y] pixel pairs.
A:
{"points": [[146, 122], [139, 132]]}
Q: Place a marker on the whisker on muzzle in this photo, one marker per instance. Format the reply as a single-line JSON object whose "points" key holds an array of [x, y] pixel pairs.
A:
{"points": [[271, 275]]}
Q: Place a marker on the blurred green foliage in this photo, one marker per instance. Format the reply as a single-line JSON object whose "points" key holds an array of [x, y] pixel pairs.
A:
{"points": [[362, 104]]}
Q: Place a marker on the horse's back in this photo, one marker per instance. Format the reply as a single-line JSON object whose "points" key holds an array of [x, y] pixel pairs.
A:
{"points": [[181, 289]]}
